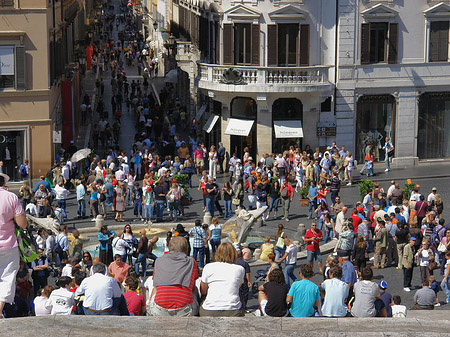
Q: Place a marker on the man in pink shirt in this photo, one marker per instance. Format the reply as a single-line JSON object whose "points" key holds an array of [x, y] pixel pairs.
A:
{"points": [[118, 268], [10, 209]]}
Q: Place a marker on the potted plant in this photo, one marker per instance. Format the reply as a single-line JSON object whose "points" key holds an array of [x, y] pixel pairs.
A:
{"points": [[183, 180], [364, 187], [409, 186], [304, 193]]}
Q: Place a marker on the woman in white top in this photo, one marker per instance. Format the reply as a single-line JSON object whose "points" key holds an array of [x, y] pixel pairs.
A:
{"points": [[120, 247], [212, 161], [40, 239], [348, 164], [167, 241], [61, 300], [220, 283], [40, 301]]}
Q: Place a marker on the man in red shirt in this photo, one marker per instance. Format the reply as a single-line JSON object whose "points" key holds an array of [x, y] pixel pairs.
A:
{"points": [[287, 195], [312, 238], [135, 301], [174, 292], [356, 219]]}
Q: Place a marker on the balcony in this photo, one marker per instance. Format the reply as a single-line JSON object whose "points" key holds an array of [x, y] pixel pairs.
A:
{"points": [[231, 78]]}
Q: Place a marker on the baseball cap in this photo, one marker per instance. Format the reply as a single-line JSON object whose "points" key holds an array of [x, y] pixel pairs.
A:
{"points": [[382, 284], [360, 209], [413, 238], [250, 158]]}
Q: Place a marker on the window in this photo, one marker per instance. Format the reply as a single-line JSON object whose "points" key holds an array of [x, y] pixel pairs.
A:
{"points": [[288, 45], [7, 3], [242, 43], [439, 41], [379, 41], [12, 67]]}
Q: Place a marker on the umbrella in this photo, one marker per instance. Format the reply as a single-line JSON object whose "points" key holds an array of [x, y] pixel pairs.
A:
{"points": [[80, 154]]}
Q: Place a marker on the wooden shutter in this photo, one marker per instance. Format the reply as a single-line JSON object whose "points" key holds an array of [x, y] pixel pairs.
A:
{"points": [[443, 41], [304, 45], [365, 43], [438, 41], [255, 44], [8, 2], [272, 45], [20, 68], [217, 39], [393, 43], [227, 43]]}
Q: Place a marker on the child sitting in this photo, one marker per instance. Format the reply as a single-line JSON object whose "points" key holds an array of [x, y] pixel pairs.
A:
{"points": [[434, 285]]}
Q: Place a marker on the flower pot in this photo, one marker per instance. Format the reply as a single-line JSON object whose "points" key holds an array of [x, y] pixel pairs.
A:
{"points": [[303, 202]]}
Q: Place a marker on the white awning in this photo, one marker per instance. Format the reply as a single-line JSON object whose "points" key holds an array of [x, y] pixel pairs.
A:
{"points": [[210, 123], [288, 129], [200, 112], [239, 127]]}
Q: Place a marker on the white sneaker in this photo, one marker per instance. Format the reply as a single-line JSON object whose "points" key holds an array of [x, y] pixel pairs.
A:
{"points": [[407, 289], [349, 184], [437, 305], [92, 219], [387, 170]]}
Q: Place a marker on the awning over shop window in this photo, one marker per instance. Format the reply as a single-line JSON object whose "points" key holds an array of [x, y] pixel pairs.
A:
{"points": [[210, 123], [288, 129], [200, 112], [239, 127]]}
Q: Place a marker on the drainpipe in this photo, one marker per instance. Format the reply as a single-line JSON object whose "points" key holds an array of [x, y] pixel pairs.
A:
{"points": [[336, 54]]}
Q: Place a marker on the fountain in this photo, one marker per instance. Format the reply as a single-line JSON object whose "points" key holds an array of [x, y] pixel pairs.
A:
{"points": [[237, 228]]}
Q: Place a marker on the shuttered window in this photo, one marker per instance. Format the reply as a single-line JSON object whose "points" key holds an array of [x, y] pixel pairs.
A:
{"points": [[217, 40], [20, 69], [242, 43], [379, 42], [255, 44], [7, 3], [288, 45], [227, 43], [439, 31]]}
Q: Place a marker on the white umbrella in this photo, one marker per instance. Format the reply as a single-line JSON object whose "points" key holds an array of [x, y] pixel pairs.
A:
{"points": [[172, 76], [45, 223], [80, 154]]}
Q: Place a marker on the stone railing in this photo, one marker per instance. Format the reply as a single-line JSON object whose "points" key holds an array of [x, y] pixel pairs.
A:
{"points": [[266, 75]]}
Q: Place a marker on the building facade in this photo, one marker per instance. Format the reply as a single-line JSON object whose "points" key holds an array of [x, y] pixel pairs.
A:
{"points": [[37, 42]]}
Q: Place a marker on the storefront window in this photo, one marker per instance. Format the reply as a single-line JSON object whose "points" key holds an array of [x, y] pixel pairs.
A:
{"points": [[244, 108], [285, 109], [12, 144], [433, 139], [375, 121]]}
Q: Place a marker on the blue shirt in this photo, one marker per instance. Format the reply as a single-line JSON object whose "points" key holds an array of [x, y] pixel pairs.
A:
{"points": [[199, 234], [103, 238], [42, 182], [312, 192], [138, 159], [304, 296], [348, 273], [81, 192]]}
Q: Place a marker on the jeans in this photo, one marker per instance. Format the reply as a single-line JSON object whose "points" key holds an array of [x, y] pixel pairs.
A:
{"points": [[312, 206], [142, 260], [286, 203], [81, 210], [201, 255], [227, 206], [329, 235], [210, 206], [446, 288], [148, 211], [320, 224], [289, 272], [61, 204], [159, 209], [273, 205], [279, 252], [364, 167], [387, 162], [137, 208], [214, 244], [129, 194], [173, 206]]}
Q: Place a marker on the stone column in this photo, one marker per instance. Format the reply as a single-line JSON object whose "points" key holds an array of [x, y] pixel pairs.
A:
{"points": [[226, 139], [264, 126]]}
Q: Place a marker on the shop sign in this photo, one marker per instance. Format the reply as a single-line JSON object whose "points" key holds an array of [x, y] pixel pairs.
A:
{"points": [[6, 140], [57, 137], [326, 129], [6, 60]]}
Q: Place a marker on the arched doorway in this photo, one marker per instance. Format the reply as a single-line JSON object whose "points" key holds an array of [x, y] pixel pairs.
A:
{"points": [[284, 110], [244, 108]]}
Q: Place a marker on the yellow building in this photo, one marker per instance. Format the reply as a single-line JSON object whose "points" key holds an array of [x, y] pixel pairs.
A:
{"points": [[37, 54]]}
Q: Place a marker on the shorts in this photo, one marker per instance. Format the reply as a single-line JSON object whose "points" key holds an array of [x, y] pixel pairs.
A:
{"points": [[199, 162], [313, 256], [263, 305]]}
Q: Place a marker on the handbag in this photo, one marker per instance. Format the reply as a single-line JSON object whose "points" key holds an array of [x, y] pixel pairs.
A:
{"points": [[441, 248], [252, 200], [236, 201], [102, 197], [433, 265], [280, 241]]}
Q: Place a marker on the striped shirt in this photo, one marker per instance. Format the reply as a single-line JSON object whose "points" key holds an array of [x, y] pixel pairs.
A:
{"points": [[176, 296]]}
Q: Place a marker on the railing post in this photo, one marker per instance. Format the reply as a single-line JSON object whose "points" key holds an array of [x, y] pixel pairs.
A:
{"points": [[210, 73]]}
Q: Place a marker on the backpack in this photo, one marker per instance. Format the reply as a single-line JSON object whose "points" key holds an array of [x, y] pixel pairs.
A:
{"points": [[27, 246], [23, 170]]}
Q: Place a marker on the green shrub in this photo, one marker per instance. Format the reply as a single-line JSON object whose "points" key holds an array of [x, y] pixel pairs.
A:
{"points": [[408, 189], [305, 190], [181, 178], [364, 187]]}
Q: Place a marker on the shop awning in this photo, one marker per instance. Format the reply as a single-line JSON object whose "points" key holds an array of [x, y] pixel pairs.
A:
{"points": [[200, 112], [210, 123], [288, 129], [239, 127]]}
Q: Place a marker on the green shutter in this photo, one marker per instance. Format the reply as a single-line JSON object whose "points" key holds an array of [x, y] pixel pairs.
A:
{"points": [[20, 69]]}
